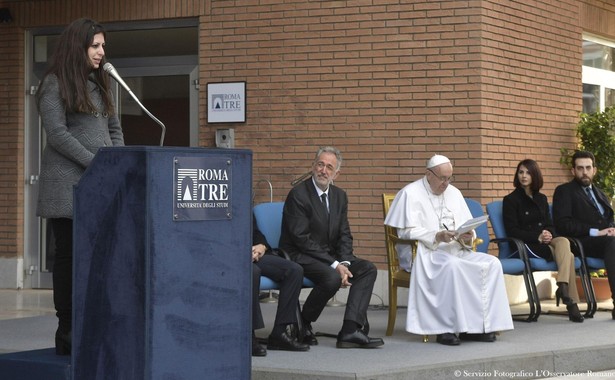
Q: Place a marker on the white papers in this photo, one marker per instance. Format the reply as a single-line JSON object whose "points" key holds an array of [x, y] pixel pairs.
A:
{"points": [[471, 224]]}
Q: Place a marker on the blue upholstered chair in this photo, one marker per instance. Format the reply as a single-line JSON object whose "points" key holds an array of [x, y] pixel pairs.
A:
{"points": [[513, 256], [482, 232], [269, 220], [537, 264], [588, 264]]}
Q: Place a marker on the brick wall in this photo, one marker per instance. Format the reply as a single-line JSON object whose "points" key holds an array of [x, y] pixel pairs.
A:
{"points": [[390, 83]]}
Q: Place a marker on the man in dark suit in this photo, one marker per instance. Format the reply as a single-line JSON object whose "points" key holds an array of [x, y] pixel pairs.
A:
{"points": [[583, 211], [290, 277], [316, 234]]}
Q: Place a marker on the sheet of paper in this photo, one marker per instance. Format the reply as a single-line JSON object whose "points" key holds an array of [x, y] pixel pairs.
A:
{"points": [[471, 224]]}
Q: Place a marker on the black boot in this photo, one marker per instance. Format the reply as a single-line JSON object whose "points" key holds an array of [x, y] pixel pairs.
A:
{"points": [[561, 293]]}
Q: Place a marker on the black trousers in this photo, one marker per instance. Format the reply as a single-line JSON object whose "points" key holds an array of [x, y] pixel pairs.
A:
{"points": [[63, 272], [602, 247], [328, 282], [290, 277]]}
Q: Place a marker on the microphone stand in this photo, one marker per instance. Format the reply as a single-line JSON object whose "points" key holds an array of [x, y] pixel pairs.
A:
{"points": [[297, 180], [108, 67], [164, 129]]}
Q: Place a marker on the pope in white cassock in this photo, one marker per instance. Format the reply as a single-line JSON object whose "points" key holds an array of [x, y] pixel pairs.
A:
{"points": [[455, 293]]}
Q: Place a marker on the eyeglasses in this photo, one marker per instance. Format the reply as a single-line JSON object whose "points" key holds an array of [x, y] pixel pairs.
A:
{"points": [[322, 165], [441, 178]]}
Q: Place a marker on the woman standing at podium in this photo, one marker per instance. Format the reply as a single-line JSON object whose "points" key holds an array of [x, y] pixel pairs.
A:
{"points": [[78, 115]]}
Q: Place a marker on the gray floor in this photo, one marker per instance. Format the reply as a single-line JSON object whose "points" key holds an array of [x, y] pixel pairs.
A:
{"points": [[553, 347]]}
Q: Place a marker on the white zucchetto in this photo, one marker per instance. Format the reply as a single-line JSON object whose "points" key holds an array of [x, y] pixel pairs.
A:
{"points": [[437, 160]]}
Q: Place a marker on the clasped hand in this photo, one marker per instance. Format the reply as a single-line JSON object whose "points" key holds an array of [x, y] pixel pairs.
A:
{"points": [[545, 237], [257, 252], [344, 274], [607, 232]]}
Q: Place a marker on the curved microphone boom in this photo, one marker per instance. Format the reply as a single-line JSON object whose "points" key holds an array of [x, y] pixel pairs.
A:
{"points": [[304, 176], [108, 67]]}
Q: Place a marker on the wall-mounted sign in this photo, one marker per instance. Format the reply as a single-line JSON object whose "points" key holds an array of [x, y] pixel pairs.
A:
{"points": [[226, 102], [202, 188]]}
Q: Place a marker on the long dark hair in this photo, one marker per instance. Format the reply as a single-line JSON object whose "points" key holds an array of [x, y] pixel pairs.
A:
{"points": [[534, 171], [71, 65]]}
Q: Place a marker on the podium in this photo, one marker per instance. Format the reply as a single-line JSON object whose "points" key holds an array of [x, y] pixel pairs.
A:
{"points": [[162, 270]]}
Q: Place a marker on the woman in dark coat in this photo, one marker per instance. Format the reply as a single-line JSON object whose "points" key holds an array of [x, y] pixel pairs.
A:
{"points": [[527, 217], [77, 112]]}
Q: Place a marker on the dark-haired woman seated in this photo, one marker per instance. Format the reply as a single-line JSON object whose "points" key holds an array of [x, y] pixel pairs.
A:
{"points": [[527, 217]]}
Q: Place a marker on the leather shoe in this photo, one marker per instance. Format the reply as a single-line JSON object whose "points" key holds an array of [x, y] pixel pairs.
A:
{"points": [[257, 349], [357, 339], [448, 339], [285, 342], [486, 337], [308, 335]]}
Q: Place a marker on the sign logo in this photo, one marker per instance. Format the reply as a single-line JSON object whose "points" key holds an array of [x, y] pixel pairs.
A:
{"points": [[202, 188], [226, 102]]}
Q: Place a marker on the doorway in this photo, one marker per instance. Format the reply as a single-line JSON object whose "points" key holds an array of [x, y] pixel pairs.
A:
{"points": [[159, 61]]}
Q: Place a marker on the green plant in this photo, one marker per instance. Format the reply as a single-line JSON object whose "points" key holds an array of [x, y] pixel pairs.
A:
{"points": [[596, 134]]}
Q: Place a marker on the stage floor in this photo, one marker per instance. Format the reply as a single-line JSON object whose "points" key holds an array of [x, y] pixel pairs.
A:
{"points": [[553, 347]]}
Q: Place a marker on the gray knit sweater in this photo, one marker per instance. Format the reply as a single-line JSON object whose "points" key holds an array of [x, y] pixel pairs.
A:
{"points": [[72, 141]]}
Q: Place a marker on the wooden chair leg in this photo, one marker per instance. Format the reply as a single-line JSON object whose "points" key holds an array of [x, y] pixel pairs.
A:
{"points": [[392, 309]]}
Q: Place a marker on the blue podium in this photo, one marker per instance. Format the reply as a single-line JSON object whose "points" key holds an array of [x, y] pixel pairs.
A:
{"points": [[162, 240]]}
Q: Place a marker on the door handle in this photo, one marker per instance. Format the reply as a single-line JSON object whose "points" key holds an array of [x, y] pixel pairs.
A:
{"points": [[33, 179]]}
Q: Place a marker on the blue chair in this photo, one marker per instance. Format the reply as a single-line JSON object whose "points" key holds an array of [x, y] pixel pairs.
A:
{"points": [[513, 256], [269, 221], [482, 232], [588, 264]]}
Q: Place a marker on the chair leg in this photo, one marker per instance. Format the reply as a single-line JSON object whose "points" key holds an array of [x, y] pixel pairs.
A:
{"points": [[586, 291], [392, 309], [300, 327]]}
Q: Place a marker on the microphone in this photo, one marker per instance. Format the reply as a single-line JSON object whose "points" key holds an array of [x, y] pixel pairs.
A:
{"points": [[108, 67], [304, 176]]}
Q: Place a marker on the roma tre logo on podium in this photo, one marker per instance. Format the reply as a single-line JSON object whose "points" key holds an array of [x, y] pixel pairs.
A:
{"points": [[203, 188]]}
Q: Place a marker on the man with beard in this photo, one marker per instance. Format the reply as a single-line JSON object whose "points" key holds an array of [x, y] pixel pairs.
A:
{"points": [[316, 235], [583, 211]]}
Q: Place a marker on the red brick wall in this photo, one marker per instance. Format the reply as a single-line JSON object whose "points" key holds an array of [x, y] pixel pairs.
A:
{"points": [[390, 83]]}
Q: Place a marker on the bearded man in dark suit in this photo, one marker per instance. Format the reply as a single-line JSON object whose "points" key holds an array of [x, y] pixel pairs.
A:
{"points": [[316, 235], [583, 211]]}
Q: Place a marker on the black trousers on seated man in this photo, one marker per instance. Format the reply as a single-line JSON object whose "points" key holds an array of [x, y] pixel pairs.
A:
{"points": [[328, 282], [289, 275]]}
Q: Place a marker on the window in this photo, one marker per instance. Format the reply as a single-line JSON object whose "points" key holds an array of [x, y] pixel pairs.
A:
{"points": [[598, 74]]}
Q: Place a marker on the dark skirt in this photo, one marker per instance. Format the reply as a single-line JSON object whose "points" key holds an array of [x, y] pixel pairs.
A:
{"points": [[539, 250]]}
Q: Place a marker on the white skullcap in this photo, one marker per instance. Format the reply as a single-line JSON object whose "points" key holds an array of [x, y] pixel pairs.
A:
{"points": [[437, 160]]}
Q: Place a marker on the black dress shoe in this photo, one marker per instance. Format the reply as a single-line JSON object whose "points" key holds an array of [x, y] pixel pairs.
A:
{"points": [[257, 349], [63, 343], [285, 342], [357, 339], [486, 337], [308, 335], [448, 339]]}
